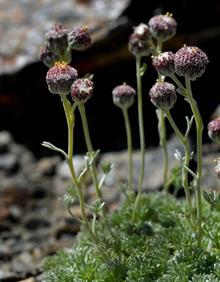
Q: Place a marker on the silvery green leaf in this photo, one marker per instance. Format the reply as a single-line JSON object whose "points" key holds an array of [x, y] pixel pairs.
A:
{"points": [[143, 69], [54, 148], [210, 197], [96, 206], [178, 156], [106, 167]]}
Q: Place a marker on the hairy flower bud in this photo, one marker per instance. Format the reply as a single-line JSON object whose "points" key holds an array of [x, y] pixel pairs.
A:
{"points": [[163, 95], [140, 41], [162, 27], [48, 58], [214, 130], [123, 95], [60, 78], [164, 63], [82, 89], [57, 39], [79, 38], [190, 61]]}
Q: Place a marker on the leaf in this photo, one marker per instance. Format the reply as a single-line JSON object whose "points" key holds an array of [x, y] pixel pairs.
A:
{"points": [[54, 148], [143, 69]]}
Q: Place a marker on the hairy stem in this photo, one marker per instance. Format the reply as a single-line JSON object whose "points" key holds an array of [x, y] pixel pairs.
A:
{"points": [[129, 145], [70, 124], [199, 132], [185, 144], [89, 146], [141, 132], [162, 129], [163, 144]]}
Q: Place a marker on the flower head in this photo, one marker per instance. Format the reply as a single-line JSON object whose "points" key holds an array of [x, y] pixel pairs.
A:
{"points": [[48, 58], [79, 38], [82, 89], [140, 41], [162, 27], [123, 95], [57, 39], [163, 95], [190, 61], [60, 78], [214, 130], [164, 63]]}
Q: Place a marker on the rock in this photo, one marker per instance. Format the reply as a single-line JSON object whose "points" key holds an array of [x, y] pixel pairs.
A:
{"points": [[47, 166], [5, 141], [24, 24], [8, 162], [153, 177], [63, 169]]}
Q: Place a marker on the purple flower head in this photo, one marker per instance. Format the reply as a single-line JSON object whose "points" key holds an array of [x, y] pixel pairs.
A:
{"points": [[60, 78], [48, 58], [123, 95], [79, 38], [214, 130], [190, 61], [164, 63], [162, 27], [140, 41], [57, 39], [163, 95], [82, 89]]}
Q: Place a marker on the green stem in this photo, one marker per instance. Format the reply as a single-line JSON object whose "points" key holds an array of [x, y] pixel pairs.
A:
{"points": [[185, 143], [199, 129], [89, 146], [70, 123], [129, 145], [163, 144], [162, 129], [141, 131]]}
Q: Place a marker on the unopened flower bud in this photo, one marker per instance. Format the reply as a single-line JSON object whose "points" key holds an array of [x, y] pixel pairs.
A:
{"points": [[140, 41], [162, 27], [164, 63], [217, 168], [163, 95], [57, 40], [79, 38], [123, 95], [60, 78], [190, 61], [82, 89], [214, 130], [48, 58]]}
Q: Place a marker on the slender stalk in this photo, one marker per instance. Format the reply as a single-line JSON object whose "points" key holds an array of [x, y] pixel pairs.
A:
{"points": [[162, 129], [129, 145], [199, 129], [185, 143], [70, 124], [141, 131], [163, 144], [89, 146]]}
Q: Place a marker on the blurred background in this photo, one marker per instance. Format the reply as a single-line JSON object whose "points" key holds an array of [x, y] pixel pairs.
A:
{"points": [[32, 114]]}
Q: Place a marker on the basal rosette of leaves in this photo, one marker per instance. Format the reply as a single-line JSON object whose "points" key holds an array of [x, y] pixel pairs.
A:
{"points": [[158, 246]]}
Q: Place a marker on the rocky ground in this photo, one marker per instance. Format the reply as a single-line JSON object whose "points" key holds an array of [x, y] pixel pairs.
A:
{"points": [[33, 222]]}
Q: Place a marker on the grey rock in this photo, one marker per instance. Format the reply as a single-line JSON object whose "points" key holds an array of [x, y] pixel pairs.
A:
{"points": [[63, 169], [24, 24], [5, 141], [8, 161], [47, 166], [153, 174]]}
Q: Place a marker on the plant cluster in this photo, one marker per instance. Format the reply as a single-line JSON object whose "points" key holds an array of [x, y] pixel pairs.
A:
{"points": [[127, 245]]}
